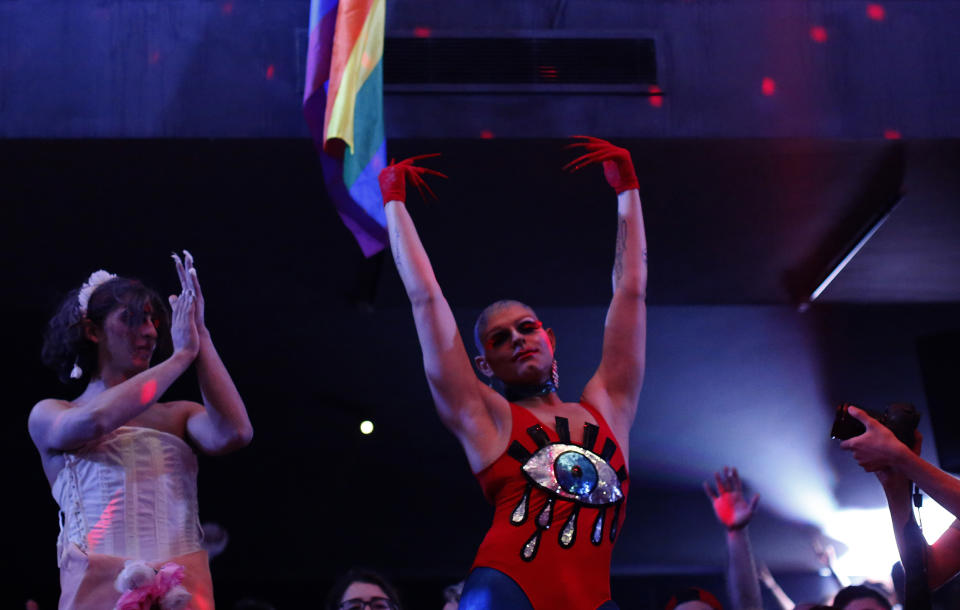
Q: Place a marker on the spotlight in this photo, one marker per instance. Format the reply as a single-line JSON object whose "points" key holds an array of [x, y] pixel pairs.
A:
{"points": [[366, 426]]}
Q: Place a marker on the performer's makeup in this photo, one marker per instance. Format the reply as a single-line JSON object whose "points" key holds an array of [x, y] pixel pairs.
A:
{"points": [[499, 336]]}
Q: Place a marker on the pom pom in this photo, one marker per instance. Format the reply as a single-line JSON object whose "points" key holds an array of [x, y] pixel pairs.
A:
{"points": [[175, 599], [134, 575], [76, 372]]}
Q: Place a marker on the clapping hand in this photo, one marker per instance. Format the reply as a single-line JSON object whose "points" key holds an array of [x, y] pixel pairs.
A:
{"points": [[190, 283]]}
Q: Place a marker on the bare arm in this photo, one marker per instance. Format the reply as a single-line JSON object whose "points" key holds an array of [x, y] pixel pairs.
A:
{"points": [[222, 424], [942, 559], [878, 450], [766, 577], [619, 378], [459, 396], [464, 404], [734, 512], [620, 374], [742, 583], [55, 425]]}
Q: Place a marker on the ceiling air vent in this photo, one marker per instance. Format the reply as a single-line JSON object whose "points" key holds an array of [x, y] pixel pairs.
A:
{"points": [[514, 64]]}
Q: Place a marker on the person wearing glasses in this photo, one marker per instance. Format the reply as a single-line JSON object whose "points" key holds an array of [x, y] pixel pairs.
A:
{"points": [[360, 589], [555, 471]]}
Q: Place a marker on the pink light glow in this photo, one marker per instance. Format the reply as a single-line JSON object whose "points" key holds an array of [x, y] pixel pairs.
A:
{"points": [[422, 32], [818, 33], [271, 72], [891, 134], [486, 134], [876, 12], [226, 8], [148, 392], [768, 86], [99, 529], [655, 100]]}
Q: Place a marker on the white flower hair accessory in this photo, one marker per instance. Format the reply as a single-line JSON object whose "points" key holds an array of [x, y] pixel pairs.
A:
{"points": [[83, 300], [93, 282]]}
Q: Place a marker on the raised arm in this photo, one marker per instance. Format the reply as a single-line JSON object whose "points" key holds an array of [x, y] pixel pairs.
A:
{"points": [[734, 512], [896, 465], [222, 424], [619, 378], [56, 425], [461, 399]]}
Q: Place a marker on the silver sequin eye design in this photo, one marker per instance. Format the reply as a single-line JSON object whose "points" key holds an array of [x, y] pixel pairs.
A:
{"points": [[568, 472]]}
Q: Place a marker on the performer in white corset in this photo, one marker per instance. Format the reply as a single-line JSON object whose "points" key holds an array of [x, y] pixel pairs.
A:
{"points": [[118, 460]]}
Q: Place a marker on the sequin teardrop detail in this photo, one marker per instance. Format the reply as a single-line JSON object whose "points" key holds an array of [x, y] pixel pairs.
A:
{"points": [[568, 535], [546, 514], [530, 548], [519, 515], [596, 536]]}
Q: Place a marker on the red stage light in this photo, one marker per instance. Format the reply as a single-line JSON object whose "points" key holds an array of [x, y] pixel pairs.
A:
{"points": [[421, 32], [486, 134], [768, 86], [818, 33], [271, 72], [876, 12], [547, 72], [655, 99], [891, 134]]}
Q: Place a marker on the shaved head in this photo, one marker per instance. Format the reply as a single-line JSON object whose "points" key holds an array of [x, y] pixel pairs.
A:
{"points": [[480, 326]]}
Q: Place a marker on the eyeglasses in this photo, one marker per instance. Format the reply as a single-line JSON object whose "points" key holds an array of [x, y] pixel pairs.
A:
{"points": [[375, 603]]}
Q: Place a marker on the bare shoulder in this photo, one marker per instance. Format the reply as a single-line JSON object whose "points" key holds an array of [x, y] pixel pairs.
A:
{"points": [[49, 405], [44, 411]]}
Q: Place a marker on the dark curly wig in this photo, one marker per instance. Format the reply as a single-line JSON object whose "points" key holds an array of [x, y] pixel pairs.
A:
{"points": [[66, 344]]}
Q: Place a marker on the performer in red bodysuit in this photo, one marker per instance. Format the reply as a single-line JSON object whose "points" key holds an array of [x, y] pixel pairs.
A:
{"points": [[556, 471]]}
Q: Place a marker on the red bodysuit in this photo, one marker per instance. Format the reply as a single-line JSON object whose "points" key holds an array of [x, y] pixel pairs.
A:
{"points": [[559, 504]]}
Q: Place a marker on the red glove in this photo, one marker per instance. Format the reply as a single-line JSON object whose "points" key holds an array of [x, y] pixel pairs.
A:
{"points": [[617, 165], [394, 177]]}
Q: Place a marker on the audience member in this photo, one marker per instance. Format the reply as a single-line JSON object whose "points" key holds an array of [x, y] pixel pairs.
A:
{"points": [[360, 589]]}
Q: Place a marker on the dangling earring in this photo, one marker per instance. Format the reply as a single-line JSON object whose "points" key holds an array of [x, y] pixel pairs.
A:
{"points": [[554, 375], [76, 372]]}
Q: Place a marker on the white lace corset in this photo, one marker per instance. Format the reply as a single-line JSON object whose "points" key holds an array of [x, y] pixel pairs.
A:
{"points": [[132, 493]]}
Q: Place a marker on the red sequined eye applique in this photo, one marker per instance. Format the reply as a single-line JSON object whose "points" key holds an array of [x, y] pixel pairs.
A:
{"points": [[567, 472]]}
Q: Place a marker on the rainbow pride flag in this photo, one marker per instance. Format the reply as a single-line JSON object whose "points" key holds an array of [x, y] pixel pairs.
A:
{"points": [[343, 105]]}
